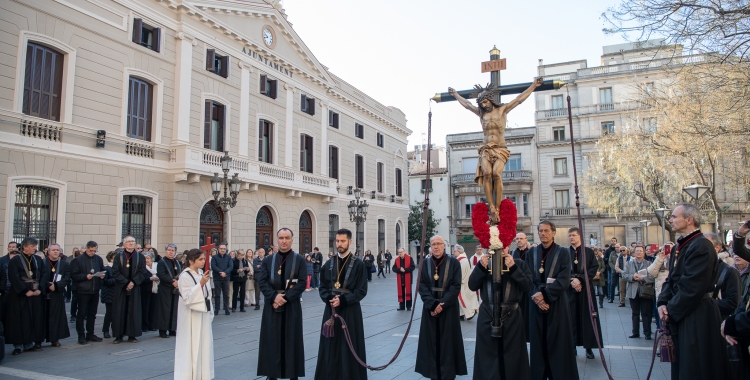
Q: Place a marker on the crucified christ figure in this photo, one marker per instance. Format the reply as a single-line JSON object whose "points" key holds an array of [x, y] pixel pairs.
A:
{"points": [[493, 154]]}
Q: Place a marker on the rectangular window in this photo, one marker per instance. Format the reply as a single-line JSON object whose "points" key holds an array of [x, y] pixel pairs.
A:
{"points": [[140, 104], [514, 162], [398, 183], [470, 164], [306, 153], [42, 82], [525, 204], [649, 124], [359, 130], [146, 35], [648, 88], [333, 119], [307, 105], [557, 102], [605, 95], [136, 218], [562, 198], [425, 187], [561, 166], [512, 199], [608, 127], [558, 133], [380, 177], [268, 86], [265, 142], [468, 207], [380, 140], [213, 131], [217, 64], [359, 171], [35, 214], [333, 162]]}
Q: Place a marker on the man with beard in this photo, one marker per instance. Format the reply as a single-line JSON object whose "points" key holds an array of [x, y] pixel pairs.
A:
{"points": [[440, 351], [82, 271], [168, 269], [499, 357], [282, 279], [522, 247], [686, 301], [129, 270], [467, 299], [24, 320], [58, 274], [578, 304], [343, 285], [403, 268], [552, 349]]}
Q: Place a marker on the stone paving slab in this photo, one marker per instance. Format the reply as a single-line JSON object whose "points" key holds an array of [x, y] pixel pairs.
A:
{"points": [[236, 346]]}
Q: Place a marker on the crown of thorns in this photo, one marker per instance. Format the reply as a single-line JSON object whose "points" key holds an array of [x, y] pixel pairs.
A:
{"points": [[489, 92]]}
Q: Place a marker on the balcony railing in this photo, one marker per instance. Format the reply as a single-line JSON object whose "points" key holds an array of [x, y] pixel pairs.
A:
{"points": [[50, 130], [508, 176], [213, 158], [557, 112], [272, 171], [607, 107], [564, 211]]}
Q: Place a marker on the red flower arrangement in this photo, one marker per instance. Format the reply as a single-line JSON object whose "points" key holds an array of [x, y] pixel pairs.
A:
{"points": [[507, 227], [479, 218]]}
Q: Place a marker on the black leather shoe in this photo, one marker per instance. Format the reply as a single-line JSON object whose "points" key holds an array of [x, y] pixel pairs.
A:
{"points": [[242, 311], [132, 340], [93, 338], [163, 335], [610, 301], [17, 351], [257, 307], [72, 319], [408, 309], [634, 336], [106, 335], [173, 333], [82, 340], [621, 305], [589, 354], [648, 337], [226, 312], [234, 310], [117, 341]]}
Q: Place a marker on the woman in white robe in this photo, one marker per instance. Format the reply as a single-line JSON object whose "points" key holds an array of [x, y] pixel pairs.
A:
{"points": [[194, 346]]}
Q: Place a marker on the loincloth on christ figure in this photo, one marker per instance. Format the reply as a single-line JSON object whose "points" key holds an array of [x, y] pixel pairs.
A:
{"points": [[492, 152]]}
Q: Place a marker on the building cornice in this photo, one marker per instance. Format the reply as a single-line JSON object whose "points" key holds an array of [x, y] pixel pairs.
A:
{"points": [[476, 144]]}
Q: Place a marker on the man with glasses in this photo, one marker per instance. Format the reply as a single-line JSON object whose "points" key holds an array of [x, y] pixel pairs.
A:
{"points": [[129, 270], [82, 271]]}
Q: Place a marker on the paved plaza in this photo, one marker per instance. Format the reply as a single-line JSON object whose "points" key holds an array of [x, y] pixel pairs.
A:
{"points": [[236, 347]]}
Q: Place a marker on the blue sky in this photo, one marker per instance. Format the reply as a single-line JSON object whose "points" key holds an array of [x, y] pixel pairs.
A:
{"points": [[402, 52]]}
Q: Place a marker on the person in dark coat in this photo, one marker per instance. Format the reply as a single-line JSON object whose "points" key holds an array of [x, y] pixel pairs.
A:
{"points": [[369, 261], [499, 357], [129, 271], [440, 350], [403, 268], [24, 320], [736, 328], [552, 348], [578, 293], [239, 277], [282, 280], [105, 295], [58, 274], [165, 315], [4, 280], [727, 292], [388, 258], [343, 286], [82, 271], [148, 298], [257, 263], [221, 265], [317, 260], [686, 301], [522, 248]]}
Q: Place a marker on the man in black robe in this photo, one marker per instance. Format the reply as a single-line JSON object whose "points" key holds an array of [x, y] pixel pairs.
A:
{"points": [[686, 301], [736, 328], [24, 321], [343, 285], [82, 271], [727, 293], [502, 357], [13, 250], [578, 303], [522, 248], [165, 313], [129, 270], [552, 349], [59, 276], [440, 351], [282, 279]]}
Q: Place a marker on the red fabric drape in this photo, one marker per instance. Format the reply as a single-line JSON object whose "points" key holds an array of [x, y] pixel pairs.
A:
{"points": [[406, 279]]}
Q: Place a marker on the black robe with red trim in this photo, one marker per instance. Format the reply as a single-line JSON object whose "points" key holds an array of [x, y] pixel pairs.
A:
{"points": [[404, 279]]}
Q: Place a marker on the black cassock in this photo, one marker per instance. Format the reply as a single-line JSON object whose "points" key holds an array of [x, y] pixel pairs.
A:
{"points": [[523, 304], [165, 312], [126, 306], [509, 351], [57, 321], [24, 319], [335, 360], [440, 351], [694, 318], [578, 304], [282, 352], [551, 341]]}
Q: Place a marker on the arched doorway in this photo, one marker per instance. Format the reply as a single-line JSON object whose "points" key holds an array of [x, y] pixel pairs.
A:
{"points": [[212, 224], [305, 233], [398, 236], [264, 229]]}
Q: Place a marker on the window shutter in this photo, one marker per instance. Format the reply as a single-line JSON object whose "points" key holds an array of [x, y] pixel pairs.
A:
{"points": [[263, 81], [303, 103], [207, 126], [270, 142], [261, 133], [149, 111], [330, 118], [210, 57], [156, 40], [311, 107], [380, 177], [225, 67], [27, 90], [220, 116], [56, 92], [310, 154], [301, 153], [274, 85], [336, 120], [137, 30]]}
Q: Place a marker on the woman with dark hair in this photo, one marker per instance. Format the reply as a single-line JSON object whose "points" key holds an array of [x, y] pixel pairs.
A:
{"points": [[148, 286], [194, 346]]}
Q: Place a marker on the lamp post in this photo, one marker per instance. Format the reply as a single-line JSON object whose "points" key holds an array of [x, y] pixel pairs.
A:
{"points": [[645, 224], [662, 213], [636, 229], [227, 201], [695, 191], [357, 213]]}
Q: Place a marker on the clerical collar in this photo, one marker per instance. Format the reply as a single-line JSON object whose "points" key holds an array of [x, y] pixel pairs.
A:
{"points": [[285, 253], [689, 236], [344, 256]]}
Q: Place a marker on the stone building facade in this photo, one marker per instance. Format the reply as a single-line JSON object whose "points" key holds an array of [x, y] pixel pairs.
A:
{"points": [[115, 115]]}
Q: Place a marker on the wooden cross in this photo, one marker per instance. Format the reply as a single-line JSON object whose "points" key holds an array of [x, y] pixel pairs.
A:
{"points": [[207, 250]]}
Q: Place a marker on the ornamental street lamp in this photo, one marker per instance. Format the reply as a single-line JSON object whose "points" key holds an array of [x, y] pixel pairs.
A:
{"points": [[357, 213], [227, 201], [636, 230], [695, 191], [645, 224], [662, 213]]}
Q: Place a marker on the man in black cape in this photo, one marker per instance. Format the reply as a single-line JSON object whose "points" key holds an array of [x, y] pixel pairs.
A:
{"points": [[129, 270], [552, 348], [165, 312], [578, 303], [24, 320], [282, 279], [59, 276], [686, 301], [522, 248], [502, 357], [440, 351], [13, 250], [343, 285]]}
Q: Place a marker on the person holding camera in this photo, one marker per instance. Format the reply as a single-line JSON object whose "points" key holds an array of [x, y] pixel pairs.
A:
{"points": [[24, 319]]}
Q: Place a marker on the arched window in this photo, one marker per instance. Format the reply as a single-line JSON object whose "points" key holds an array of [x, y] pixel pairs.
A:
{"points": [[264, 229]]}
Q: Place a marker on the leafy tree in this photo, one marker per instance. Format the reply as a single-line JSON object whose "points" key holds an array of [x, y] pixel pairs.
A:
{"points": [[416, 220]]}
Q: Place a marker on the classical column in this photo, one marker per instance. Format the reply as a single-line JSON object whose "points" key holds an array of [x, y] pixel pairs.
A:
{"points": [[324, 138], [182, 87], [291, 92], [244, 107]]}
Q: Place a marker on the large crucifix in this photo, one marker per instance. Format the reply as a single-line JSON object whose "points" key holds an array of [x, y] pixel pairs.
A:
{"points": [[494, 153]]}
